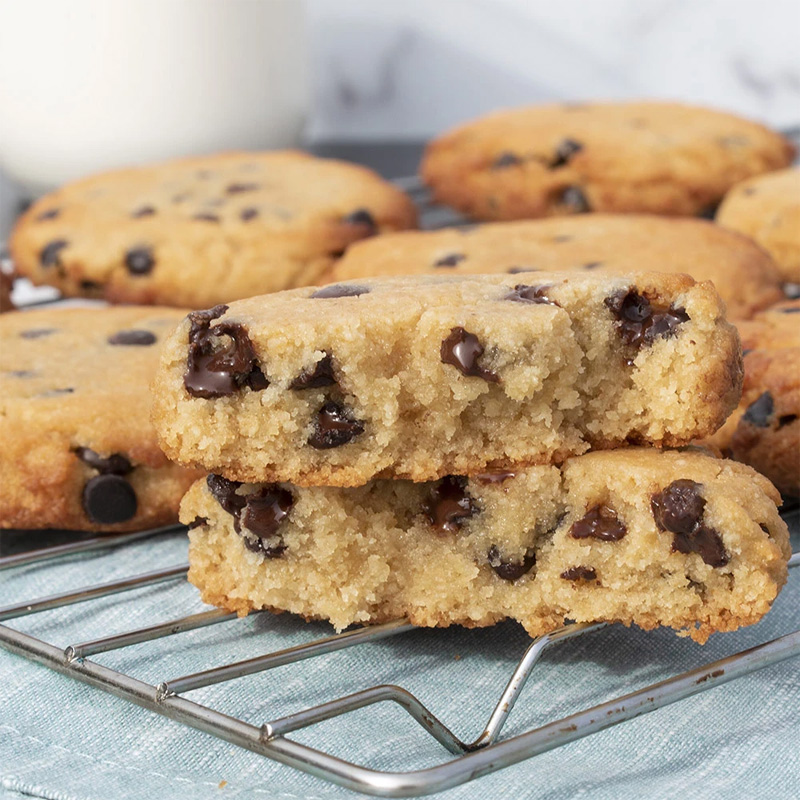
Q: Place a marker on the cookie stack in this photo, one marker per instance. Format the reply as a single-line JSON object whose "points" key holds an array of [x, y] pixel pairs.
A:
{"points": [[417, 447]]}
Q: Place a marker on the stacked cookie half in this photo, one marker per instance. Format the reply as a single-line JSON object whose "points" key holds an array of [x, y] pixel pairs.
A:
{"points": [[419, 447]]}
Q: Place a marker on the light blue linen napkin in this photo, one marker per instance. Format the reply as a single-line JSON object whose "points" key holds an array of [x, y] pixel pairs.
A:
{"points": [[65, 740]]}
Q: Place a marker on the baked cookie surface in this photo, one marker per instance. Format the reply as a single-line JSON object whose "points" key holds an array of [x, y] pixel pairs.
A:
{"points": [[200, 231], [767, 209], [420, 377], [79, 451], [743, 274], [654, 157], [636, 536]]}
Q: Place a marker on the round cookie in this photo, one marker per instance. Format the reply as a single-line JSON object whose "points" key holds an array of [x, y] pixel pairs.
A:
{"points": [[79, 451], [764, 431], [200, 231], [742, 272], [767, 209], [657, 157]]}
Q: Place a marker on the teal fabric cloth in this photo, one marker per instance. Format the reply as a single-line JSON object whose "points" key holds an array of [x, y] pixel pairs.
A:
{"points": [[64, 740]]}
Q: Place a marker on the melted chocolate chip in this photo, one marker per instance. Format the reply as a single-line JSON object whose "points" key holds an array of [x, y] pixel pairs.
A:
{"points": [[50, 254], [224, 492], [204, 216], [51, 213], [109, 499], [197, 522], [450, 260], [115, 464], [531, 294], [262, 516], [339, 290], [566, 149], [639, 322], [786, 419], [143, 211], [36, 333], [494, 477], [449, 505], [704, 541], [506, 159], [363, 218], [511, 570], [238, 188], [139, 260], [574, 198], [579, 574], [217, 371], [761, 411], [321, 374], [133, 337], [334, 427], [462, 350], [599, 522], [246, 214]]}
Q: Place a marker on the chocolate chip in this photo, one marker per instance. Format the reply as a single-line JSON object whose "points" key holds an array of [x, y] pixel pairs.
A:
{"points": [[786, 419], [90, 286], [224, 492], [795, 310], [139, 260], [143, 211], [511, 570], [217, 370], [449, 505], [115, 464], [517, 270], [579, 574], [49, 255], [36, 333], [246, 214], [321, 374], [679, 509], [506, 159], [363, 218], [564, 152], [639, 322], [334, 427], [51, 213], [759, 412], [204, 216], [339, 290], [574, 198], [133, 337], [593, 265], [109, 499], [197, 522], [531, 294], [450, 260], [462, 350], [262, 516], [600, 522], [238, 188], [494, 477], [708, 212]]}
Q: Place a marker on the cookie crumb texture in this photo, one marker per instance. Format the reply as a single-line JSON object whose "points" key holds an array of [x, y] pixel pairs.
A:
{"points": [[639, 537], [79, 451], [745, 276], [200, 231], [661, 158], [422, 377], [767, 209]]}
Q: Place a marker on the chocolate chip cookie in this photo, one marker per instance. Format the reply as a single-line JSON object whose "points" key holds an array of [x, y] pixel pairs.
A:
{"points": [[78, 450], [656, 157], [425, 376], [635, 536], [201, 231], [765, 430], [767, 209], [743, 274]]}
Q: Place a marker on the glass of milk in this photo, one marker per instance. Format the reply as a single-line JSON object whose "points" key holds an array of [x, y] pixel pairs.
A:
{"points": [[87, 85]]}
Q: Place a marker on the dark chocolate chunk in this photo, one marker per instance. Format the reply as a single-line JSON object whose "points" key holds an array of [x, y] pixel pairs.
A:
{"points": [[564, 152], [51, 213], [238, 188], [704, 541], [139, 260], [197, 522], [246, 214], [511, 570], [133, 337], [786, 419], [205, 216], [506, 159], [115, 464], [109, 499], [450, 260], [574, 198], [639, 322], [339, 290], [579, 574], [449, 505], [362, 217], [599, 522], [262, 516], [494, 477], [321, 374], [760, 411], [224, 492], [143, 211], [334, 427], [50, 254], [531, 294], [36, 333], [462, 350]]}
